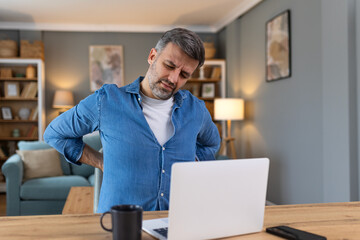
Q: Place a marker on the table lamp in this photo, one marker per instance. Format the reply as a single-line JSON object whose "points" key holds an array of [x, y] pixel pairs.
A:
{"points": [[63, 99], [229, 109]]}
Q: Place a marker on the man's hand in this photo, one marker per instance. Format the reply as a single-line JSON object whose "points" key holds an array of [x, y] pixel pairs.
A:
{"points": [[92, 157]]}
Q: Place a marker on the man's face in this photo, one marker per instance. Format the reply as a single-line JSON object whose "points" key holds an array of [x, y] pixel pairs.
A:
{"points": [[169, 70]]}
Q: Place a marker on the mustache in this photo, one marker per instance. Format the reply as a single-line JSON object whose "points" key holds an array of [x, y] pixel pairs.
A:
{"points": [[172, 85]]}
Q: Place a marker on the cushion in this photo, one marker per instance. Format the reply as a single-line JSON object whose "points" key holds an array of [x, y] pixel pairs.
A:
{"points": [[36, 145], [50, 188], [40, 163]]}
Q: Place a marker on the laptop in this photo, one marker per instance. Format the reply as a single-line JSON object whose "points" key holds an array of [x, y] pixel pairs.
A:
{"points": [[214, 199]]}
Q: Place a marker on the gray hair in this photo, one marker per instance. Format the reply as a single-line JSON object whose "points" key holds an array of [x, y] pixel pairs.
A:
{"points": [[187, 40]]}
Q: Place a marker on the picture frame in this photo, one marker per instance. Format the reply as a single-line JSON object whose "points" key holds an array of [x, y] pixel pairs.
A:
{"points": [[106, 65], [278, 47], [208, 90], [6, 113], [11, 89]]}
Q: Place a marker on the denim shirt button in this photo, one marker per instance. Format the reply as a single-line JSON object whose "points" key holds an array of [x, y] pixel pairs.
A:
{"points": [[163, 148], [163, 171], [162, 194]]}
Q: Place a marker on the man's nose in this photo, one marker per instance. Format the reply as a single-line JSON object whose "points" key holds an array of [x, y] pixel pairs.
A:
{"points": [[174, 76]]}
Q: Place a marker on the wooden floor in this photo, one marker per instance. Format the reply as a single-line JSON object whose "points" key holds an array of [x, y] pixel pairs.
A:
{"points": [[2, 204]]}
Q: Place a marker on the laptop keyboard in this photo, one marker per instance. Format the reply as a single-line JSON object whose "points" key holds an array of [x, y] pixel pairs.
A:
{"points": [[162, 231]]}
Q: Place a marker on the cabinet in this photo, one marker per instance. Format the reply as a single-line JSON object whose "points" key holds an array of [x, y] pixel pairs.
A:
{"points": [[208, 83], [21, 102]]}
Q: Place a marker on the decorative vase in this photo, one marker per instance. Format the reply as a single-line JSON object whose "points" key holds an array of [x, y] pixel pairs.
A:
{"points": [[24, 113], [16, 132], [30, 71]]}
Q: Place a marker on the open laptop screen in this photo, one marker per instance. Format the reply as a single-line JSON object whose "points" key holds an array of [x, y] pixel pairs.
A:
{"points": [[214, 199]]}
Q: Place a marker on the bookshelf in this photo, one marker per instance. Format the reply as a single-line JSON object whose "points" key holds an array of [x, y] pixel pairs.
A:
{"points": [[22, 115]]}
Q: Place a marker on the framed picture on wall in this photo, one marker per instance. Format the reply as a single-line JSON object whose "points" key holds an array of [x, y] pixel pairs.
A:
{"points": [[278, 48], [106, 64]]}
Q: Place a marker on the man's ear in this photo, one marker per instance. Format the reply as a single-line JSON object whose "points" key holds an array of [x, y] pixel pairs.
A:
{"points": [[152, 56]]}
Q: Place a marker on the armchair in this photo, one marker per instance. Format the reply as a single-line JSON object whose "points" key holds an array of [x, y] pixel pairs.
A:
{"points": [[44, 195]]}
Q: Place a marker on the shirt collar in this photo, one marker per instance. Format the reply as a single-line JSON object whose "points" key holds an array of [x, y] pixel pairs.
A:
{"points": [[134, 88]]}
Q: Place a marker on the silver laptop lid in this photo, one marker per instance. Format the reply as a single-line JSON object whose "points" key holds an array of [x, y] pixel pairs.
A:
{"points": [[216, 199]]}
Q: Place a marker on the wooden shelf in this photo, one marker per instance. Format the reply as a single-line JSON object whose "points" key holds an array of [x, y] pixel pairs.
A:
{"points": [[203, 80], [2, 138], [207, 99], [20, 58], [17, 99], [18, 79], [18, 121], [30, 130]]}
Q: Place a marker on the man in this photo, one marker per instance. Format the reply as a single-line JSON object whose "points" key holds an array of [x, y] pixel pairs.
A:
{"points": [[144, 127]]}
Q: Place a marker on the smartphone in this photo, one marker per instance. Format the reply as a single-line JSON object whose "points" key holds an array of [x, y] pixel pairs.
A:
{"points": [[293, 233]]}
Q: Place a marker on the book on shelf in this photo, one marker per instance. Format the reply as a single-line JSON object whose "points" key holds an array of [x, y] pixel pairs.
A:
{"points": [[216, 73], [33, 90], [32, 133], [33, 114], [29, 133], [35, 133], [29, 90], [25, 90]]}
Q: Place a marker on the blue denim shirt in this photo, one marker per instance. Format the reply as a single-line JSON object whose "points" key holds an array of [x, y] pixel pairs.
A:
{"points": [[137, 168]]}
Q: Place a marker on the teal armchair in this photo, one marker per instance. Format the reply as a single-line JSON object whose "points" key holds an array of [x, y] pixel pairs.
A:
{"points": [[46, 195]]}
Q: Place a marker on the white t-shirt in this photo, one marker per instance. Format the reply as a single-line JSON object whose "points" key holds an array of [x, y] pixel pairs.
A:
{"points": [[158, 115]]}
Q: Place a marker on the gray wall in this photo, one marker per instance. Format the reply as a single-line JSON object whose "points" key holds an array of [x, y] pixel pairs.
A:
{"points": [[306, 124], [339, 109]]}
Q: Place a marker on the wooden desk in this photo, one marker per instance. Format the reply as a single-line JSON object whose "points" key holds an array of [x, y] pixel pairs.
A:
{"points": [[333, 220], [79, 201]]}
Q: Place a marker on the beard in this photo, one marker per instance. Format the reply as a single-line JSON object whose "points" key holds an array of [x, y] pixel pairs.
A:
{"points": [[161, 92], [156, 88]]}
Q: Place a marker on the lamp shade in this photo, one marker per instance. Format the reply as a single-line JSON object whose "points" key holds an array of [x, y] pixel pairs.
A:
{"points": [[63, 99], [229, 109]]}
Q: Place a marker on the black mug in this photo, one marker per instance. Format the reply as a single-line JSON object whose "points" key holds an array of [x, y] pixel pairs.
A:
{"points": [[126, 222]]}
